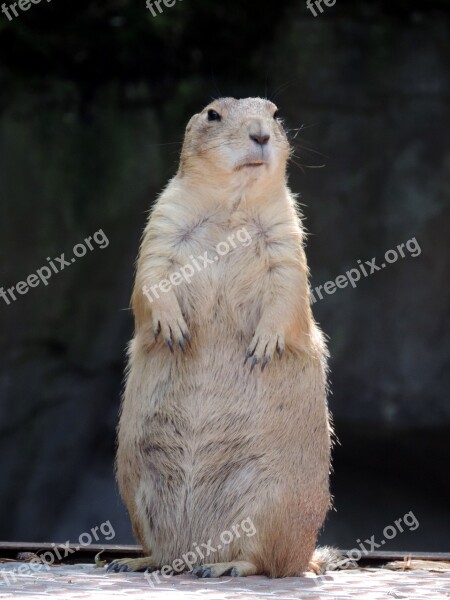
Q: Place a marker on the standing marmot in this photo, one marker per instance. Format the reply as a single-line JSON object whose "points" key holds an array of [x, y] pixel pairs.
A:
{"points": [[204, 444]]}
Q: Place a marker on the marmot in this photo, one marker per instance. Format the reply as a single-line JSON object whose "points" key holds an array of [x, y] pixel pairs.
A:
{"points": [[224, 417]]}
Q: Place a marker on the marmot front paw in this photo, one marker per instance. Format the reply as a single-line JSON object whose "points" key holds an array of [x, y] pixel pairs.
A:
{"points": [[172, 327], [263, 347]]}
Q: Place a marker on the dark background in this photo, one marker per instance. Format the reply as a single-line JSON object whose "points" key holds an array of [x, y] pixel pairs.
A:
{"points": [[94, 98]]}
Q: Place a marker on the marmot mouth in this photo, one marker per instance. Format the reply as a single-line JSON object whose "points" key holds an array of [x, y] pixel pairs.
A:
{"points": [[252, 165]]}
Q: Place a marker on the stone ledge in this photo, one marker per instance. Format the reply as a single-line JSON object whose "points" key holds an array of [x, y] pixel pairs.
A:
{"points": [[86, 581]]}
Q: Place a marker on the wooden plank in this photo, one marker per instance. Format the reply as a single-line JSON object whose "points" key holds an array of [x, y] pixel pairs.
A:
{"points": [[78, 554], [376, 555], [74, 553]]}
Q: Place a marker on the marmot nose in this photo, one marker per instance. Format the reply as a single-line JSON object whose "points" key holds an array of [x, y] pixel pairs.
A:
{"points": [[261, 139]]}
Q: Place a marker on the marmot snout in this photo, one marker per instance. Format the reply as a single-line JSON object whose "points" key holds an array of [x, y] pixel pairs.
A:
{"points": [[233, 135]]}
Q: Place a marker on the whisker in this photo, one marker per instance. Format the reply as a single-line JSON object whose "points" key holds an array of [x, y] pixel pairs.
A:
{"points": [[302, 127], [301, 147], [302, 166], [282, 88]]}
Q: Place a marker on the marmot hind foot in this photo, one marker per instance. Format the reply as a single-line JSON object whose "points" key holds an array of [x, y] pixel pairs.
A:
{"points": [[238, 568], [132, 565]]}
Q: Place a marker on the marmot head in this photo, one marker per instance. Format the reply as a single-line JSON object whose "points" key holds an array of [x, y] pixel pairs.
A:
{"points": [[236, 138]]}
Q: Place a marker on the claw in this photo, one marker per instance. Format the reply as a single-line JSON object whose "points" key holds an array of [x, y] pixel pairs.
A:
{"points": [[202, 572], [254, 362], [247, 356], [280, 352], [170, 344], [187, 337], [182, 346], [265, 363], [157, 331], [115, 567]]}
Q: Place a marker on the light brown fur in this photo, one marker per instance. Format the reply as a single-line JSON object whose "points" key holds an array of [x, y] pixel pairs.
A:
{"points": [[204, 443]]}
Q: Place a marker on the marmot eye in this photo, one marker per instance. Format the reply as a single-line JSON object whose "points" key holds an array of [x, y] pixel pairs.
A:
{"points": [[214, 116], [277, 115]]}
